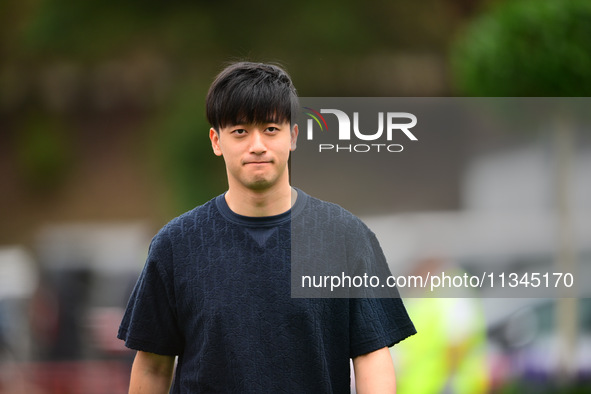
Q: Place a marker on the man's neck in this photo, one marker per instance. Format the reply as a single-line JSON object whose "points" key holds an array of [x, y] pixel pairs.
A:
{"points": [[255, 203]]}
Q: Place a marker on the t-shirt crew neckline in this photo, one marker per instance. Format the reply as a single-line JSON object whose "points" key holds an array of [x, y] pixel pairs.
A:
{"points": [[261, 221]]}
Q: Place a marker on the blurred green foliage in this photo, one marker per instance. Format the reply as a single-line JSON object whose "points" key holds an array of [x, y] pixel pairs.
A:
{"points": [[182, 144], [91, 29], [526, 48], [43, 152], [95, 29], [320, 43], [193, 29]]}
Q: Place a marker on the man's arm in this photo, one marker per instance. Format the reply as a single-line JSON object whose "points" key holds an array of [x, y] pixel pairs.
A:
{"points": [[151, 373], [374, 372]]}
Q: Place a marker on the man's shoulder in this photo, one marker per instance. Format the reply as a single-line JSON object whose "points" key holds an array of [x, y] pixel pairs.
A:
{"points": [[190, 219], [330, 213]]}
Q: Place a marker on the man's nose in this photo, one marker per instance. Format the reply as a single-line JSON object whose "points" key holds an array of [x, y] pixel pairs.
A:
{"points": [[257, 144]]}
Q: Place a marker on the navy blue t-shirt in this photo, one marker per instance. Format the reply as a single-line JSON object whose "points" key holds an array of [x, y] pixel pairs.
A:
{"points": [[216, 291]]}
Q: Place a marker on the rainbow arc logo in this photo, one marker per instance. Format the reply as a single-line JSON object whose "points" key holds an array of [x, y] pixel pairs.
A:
{"points": [[315, 115]]}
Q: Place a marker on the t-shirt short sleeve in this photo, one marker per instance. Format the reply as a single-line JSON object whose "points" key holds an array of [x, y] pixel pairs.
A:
{"points": [[150, 322], [379, 319], [376, 323]]}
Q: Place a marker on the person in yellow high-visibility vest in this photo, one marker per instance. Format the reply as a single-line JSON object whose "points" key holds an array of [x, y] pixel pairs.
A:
{"points": [[450, 356]]}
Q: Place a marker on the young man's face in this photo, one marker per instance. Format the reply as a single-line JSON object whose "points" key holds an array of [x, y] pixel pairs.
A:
{"points": [[255, 154]]}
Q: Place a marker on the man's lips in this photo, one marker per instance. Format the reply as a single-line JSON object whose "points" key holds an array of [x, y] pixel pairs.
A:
{"points": [[255, 162]]}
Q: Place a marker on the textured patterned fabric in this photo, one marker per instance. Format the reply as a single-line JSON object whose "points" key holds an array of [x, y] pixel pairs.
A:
{"points": [[216, 291]]}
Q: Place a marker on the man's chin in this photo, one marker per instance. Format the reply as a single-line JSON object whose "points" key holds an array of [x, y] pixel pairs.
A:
{"points": [[261, 182], [260, 185]]}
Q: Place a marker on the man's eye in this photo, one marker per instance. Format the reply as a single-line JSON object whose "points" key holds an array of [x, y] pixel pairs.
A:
{"points": [[272, 129], [239, 131]]}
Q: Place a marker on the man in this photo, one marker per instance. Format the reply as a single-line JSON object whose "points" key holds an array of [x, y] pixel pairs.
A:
{"points": [[215, 290]]}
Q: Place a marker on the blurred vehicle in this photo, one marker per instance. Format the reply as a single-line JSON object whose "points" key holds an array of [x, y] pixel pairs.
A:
{"points": [[525, 349]]}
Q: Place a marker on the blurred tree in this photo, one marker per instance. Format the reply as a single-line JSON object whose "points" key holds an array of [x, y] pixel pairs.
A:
{"points": [[526, 48], [122, 63], [536, 48], [98, 35], [182, 145], [94, 29], [43, 153]]}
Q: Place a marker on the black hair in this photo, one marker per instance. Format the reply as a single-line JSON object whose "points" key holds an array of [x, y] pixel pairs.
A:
{"points": [[248, 93]]}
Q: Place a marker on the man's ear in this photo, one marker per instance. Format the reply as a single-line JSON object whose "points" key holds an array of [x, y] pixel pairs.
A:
{"points": [[214, 136], [294, 137]]}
